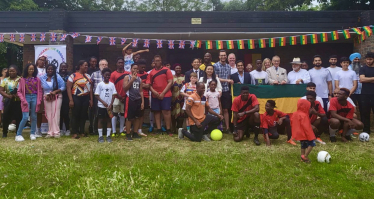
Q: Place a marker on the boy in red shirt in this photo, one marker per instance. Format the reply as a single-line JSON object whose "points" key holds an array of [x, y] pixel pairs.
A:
{"points": [[341, 116], [246, 112], [317, 116], [274, 121]]}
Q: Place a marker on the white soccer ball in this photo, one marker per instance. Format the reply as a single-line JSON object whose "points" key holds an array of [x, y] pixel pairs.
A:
{"points": [[364, 137], [323, 156], [12, 127]]}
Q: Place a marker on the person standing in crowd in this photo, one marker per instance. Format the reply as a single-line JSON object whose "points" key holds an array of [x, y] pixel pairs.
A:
{"points": [[119, 102], [317, 116], [96, 78], [92, 65], [145, 87], [210, 75], [136, 58], [241, 77], [64, 114], [277, 74], [333, 68], [249, 67], [356, 66], [132, 85], [52, 85], [201, 123], [298, 75], [345, 78], [367, 92], [128, 55], [274, 121], [304, 65], [104, 93], [3, 76], [259, 76], [195, 69], [207, 61], [177, 100], [41, 64], [160, 80], [223, 70], [266, 64], [341, 116], [30, 93], [232, 62], [323, 80], [246, 112], [12, 103], [168, 65], [80, 97]]}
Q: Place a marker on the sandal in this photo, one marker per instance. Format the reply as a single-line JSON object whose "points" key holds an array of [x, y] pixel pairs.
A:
{"points": [[304, 159]]}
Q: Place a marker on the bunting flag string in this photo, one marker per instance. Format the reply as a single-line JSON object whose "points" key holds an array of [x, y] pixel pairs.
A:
{"points": [[362, 34]]}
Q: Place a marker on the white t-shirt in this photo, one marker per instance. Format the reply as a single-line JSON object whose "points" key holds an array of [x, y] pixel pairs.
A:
{"points": [[233, 70], [348, 99], [333, 72], [259, 78], [346, 78], [317, 99], [106, 92], [213, 99], [172, 72], [41, 72], [320, 77]]}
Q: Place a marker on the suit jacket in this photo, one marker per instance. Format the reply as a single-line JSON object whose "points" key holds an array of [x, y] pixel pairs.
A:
{"points": [[274, 75], [247, 78], [187, 75]]}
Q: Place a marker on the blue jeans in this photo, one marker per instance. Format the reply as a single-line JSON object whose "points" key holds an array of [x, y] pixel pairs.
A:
{"points": [[31, 100]]}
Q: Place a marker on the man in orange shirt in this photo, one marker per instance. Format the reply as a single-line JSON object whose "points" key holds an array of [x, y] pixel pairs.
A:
{"points": [[195, 109]]}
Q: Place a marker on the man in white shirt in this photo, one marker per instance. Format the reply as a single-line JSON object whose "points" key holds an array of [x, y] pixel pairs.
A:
{"points": [[312, 87], [323, 80], [277, 74], [232, 62], [298, 75], [333, 68], [258, 76], [346, 78]]}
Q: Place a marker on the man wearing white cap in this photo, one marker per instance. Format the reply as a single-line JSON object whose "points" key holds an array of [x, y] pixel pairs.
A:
{"points": [[298, 75]]}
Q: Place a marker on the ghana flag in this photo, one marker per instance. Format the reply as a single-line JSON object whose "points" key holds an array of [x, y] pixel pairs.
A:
{"points": [[285, 96], [368, 30], [293, 40], [303, 39], [251, 44], [346, 34], [240, 44], [262, 43], [230, 44], [272, 42], [313, 38], [357, 31], [282, 41], [324, 37], [219, 44], [334, 35], [208, 44], [198, 44]]}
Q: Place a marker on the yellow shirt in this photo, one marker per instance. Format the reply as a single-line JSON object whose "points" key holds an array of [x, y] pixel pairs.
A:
{"points": [[202, 66]]}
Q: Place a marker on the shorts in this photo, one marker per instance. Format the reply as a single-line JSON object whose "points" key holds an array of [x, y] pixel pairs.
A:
{"points": [[134, 109], [102, 113], [217, 110], [306, 143], [242, 126], [226, 100], [158, 105], [118, 106]]}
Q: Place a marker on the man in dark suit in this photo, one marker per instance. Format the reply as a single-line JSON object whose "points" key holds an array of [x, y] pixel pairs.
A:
{"points": [[241, 77], [195, 69]]}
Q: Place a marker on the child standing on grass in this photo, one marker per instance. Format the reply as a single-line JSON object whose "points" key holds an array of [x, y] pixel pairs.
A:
{"points": [[302, 129], [187, 90], [104, 93], [128, 56], [213, 97]]}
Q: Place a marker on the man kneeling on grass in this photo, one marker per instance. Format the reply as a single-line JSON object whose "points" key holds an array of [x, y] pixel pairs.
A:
{"points": [[274, 121], [195, 109]]}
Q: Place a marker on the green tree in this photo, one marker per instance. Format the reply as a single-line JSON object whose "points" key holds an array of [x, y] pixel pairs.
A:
{"points": [[347, 4], [174, 5], [16, 5]]}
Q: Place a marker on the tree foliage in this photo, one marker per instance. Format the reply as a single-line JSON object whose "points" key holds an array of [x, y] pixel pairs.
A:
{"points": [[347, 4]]}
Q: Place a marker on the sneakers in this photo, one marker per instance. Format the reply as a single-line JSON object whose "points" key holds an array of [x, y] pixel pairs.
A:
{"points": [[67, 133], [256, 141], [38, 133], [352, 136], [114, 134], [163, 129], [135, 135], [333, 139], [320, 141], [108, 139], [57, 136], [101, 139], [180, 133], [128, 137], [142, 134], [123, 134], [19, 138], [206, 138], [150, 129], [32, 137], [62, 132], [49, 136], [291, 142]]}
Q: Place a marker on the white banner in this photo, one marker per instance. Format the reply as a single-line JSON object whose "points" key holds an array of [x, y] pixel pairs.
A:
{"points": [[56, 53]]}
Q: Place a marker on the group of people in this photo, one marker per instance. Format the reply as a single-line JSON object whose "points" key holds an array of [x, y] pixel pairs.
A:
{"points": [[201, 98]]}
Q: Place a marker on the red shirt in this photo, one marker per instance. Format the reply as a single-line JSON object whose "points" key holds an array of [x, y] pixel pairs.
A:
{"points": [[158, 79], [319, 109], [143, 76], [238, 105], [117, 79], [270, 120], [346, 111]]}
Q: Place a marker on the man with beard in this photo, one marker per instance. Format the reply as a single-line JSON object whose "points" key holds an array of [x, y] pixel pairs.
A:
{"points": [[207, 61], [333, 68], [258, 76], [367, 92], [323, 80], [355, 66], [232, 59], [298, 75]]}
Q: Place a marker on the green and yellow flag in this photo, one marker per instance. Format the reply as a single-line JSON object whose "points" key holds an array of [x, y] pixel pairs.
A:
{"points": [[198, 44], [334, 35], [272, 42], [324, 37], [208, 44], [282, 41], [230, 44], [293, 40], [240, 44], [357, 31], [313, 39], [251, 44], [285, 96], [346, 34], [368, 30], [303, 39], [262, 43], [219, 44]]}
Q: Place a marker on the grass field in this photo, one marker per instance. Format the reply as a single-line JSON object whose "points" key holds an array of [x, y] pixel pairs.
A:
{"points": [[165, 167]]}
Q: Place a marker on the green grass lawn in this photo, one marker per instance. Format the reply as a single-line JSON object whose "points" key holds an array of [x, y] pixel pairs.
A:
{"points": [[165, 167]]}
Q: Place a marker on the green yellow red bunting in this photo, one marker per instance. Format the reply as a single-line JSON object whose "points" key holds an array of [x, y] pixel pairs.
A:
{"points": [[293, 40], [262, 43], [282, 41], [346, 34], [240, 44], [251, 44], [230, 44], [303, 39], [198, 44], [357, 31], [272, 42], [219, 44], [208, 44], [313, 38], [324, 37], [334, 35], [368, 30]]}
